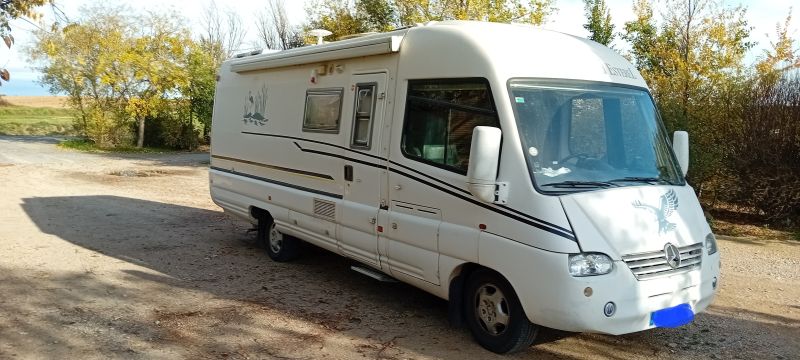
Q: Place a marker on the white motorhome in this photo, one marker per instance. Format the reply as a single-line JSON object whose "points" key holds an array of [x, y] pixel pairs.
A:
{"points": [[523, 175]]}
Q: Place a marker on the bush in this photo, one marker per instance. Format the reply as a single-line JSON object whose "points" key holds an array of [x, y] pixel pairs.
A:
{"points": [[766, 153]]}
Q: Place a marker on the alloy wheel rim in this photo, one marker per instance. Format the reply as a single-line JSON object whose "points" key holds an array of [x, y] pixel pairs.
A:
{"points": [[275, 240], [491, 308]]}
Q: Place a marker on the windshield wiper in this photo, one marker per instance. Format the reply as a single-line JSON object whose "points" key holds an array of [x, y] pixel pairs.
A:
{"points": [[649, 180], [581, 184]]}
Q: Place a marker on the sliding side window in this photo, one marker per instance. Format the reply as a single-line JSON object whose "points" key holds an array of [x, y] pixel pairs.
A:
{"points": [[323, 110], [440, 116]]}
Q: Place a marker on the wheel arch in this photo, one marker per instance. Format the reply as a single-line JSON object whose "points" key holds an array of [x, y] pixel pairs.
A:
{"points": [[257, 213], [455, 294]]}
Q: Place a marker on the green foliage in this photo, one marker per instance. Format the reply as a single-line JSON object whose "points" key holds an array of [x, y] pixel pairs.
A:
{"points": [[742, 120], [23, 120], [780, 57], [344, 17], [694, 64], [120, 69], [337, 16], [418, 11], [599, 23], [765, 150], [377, 15], [11, 10]]}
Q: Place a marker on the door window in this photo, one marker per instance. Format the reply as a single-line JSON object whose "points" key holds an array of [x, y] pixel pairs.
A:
{"points": [[362, 116], [440, 117]]}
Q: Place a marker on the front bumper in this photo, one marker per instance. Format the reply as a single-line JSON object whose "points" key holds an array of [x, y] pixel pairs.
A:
{"points": [[564, 305]]}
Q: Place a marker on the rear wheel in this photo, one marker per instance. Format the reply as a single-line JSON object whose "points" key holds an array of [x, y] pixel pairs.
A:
{"points": [[280, 247], [494, 314]]}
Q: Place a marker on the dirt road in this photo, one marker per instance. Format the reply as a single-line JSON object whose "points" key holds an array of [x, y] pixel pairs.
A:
{"points": [[96, 262]]}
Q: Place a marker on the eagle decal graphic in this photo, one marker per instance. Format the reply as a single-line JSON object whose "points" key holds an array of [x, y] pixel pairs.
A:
{"points": [[669, 203]]}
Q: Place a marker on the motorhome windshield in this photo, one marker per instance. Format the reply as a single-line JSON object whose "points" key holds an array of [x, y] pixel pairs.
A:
{"points": [[581, 136]]}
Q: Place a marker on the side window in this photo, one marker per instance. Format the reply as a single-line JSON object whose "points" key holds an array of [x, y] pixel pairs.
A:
{"points": [[587, 130], [362, 116], [323, 110], [440, 117]]}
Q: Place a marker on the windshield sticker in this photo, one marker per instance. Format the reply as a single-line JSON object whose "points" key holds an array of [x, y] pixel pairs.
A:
{"points": [[669, 203], [533, 151], [519, 100], [255, 107]]}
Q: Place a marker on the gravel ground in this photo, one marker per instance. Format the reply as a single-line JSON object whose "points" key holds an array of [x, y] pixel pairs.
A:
{"points": [[125, 256]]}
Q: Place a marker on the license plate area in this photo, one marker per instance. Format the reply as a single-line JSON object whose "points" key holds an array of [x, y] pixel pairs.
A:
{"points": [[672, 317]]}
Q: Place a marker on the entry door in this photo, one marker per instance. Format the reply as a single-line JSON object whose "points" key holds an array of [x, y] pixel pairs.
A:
{"points": [[364, 169]]}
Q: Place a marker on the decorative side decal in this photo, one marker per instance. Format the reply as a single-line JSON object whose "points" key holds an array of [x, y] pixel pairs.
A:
{"points": [[255, 107], [669, 203]]}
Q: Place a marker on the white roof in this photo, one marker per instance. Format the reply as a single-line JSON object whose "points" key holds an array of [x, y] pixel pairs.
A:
{"points": [[514, 50], [460, 48]]}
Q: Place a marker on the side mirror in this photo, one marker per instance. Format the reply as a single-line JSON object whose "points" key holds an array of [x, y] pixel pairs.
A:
{"points": [[484, 154], [680, 144]]}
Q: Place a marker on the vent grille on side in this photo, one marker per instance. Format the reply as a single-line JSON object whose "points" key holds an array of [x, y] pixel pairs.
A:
{"points": [[325, 209]]}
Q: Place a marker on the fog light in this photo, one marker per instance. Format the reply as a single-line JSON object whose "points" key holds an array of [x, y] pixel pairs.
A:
{"points": [[610, 309], [714, 283]]}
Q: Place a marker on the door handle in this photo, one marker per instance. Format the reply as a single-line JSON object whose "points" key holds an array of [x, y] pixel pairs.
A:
{"points": [[348, 172]]}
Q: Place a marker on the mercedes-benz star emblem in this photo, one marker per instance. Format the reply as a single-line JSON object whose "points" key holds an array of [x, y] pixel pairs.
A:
{"points": [[673, 255]]}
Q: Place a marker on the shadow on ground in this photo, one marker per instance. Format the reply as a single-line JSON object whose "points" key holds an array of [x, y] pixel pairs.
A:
{"points": [[203, 251]]}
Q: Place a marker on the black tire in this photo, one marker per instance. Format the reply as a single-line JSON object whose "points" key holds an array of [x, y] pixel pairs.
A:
{"points": [[485, 309], [279, 247]]}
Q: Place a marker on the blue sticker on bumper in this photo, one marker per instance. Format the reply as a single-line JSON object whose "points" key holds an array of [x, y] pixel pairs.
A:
{"points": [[672, 317]]}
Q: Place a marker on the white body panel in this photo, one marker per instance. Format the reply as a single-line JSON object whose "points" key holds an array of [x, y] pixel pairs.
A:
{"points": [[418, 222]]}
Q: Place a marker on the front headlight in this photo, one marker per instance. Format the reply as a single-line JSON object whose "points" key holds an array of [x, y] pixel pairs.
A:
{"points": [[590, 264], [711, 243]]}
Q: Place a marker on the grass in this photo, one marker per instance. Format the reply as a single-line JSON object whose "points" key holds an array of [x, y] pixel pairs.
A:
{"points": [[90, 146], [23, 120], [59, 102]]}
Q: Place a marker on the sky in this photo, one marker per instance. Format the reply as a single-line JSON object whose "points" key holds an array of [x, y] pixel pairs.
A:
{"points": [[762, 15]]}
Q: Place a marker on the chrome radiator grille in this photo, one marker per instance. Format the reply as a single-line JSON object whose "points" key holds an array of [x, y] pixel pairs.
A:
{"points": [[654, 264]]}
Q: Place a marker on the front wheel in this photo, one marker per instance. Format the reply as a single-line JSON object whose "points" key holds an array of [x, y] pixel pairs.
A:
{"points": [[494, 314], [280, 247]]}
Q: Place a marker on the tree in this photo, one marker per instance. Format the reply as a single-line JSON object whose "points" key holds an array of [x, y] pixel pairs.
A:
{"points": [[344, 17], [642, 35], [157, 60], [378, 15], [780, 57], [121, 70], [599, 23], [223, 32], [416, 11], [274, 30], [10, 10], [337, 16], [694, 64], [71, 63], [199, 92]]}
